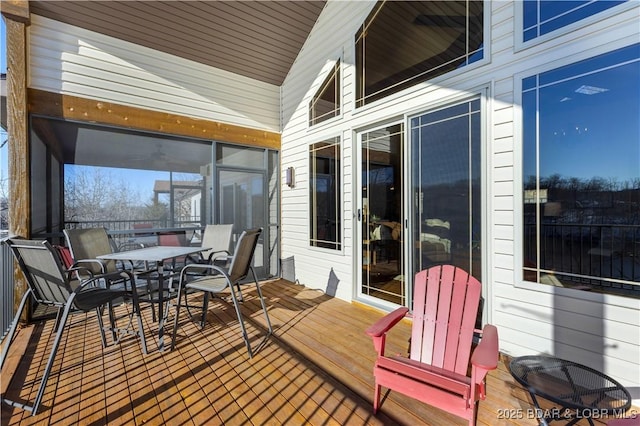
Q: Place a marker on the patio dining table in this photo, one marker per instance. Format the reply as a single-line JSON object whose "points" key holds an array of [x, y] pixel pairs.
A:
{"points": [[158, 255]]}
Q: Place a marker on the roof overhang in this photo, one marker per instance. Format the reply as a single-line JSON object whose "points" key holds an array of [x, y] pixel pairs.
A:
{"points": [[256, 39]]}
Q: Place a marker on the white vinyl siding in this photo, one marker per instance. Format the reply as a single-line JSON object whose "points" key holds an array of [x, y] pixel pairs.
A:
{"points": [[599, 330], [330, 40], [72, 61]]}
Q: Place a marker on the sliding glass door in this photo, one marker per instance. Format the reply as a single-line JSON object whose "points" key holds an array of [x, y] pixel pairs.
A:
{"points": [[246, 195], [426, 213], [446, 194], [381, 215]]}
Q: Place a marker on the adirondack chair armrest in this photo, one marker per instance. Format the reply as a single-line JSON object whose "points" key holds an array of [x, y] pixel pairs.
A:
{"points": [[483, 359], [485, 356], [378, 331], [385, 323]]}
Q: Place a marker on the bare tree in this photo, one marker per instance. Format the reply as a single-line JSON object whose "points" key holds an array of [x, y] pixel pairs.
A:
{"points": [[93, 194], [4, 203]]}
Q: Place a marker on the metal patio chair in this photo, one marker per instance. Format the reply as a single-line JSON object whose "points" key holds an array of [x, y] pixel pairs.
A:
{"points": [[49, 284], [222, 281], [87, 244], [217, 238]]}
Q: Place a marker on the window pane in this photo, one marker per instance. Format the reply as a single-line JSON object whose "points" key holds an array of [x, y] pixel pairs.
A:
{"points": [[227, 155], [241, 199], [383, 215], [402, 43], [542, 17], [324, 194], [446, 158], [123, 179], [326, 103], [582, 174]]}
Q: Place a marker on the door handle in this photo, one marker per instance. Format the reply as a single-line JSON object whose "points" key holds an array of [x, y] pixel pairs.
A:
{"points": [[359, 215]]}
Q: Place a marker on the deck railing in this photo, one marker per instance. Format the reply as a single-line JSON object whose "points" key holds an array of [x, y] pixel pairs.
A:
{"points": [[6, 292], [606, 256], [122, 233]]}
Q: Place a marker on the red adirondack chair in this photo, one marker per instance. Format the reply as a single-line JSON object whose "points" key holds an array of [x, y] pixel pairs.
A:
{"points": [[445, 307]]}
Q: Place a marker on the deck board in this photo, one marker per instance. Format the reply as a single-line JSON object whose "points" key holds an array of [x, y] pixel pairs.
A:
{"points": [[316, 369]]}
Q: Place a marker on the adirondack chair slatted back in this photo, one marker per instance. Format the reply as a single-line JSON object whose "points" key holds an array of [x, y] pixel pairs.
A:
{"points": [[43, 271], [89, 244], [444, 317]]}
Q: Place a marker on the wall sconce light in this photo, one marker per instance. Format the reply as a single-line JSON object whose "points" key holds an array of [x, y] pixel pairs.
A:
{"points": [[290, 177]]}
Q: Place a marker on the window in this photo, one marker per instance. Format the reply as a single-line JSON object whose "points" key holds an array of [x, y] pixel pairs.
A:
{"points": [[324, 194], [402, 43], [326, 102], [541, 17], [91, 175], [581, 174]]}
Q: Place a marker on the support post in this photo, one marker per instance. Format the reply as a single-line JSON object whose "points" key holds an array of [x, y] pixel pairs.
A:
{"points": [[16, 16]]}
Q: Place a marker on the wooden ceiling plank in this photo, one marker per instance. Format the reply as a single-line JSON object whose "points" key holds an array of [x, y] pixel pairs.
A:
{"points": [[236, 39], [237, 27], [271, 59], [240, 64]]}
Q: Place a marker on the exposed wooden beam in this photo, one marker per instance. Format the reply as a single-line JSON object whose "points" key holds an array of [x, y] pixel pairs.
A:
{"points": [[16, 10], [91, 110]]}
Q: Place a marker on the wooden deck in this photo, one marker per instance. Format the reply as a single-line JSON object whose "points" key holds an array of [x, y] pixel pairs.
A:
{"points": [[315, 370]]}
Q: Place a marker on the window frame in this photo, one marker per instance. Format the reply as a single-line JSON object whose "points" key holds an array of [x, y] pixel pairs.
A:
{"points": [[335, 73], [520, 281], [338, 242], [361, 105], [521, 44]]}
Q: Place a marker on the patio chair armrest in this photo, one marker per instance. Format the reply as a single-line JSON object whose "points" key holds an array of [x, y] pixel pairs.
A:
{"points": [[202, 267], [78, 263], [116, 275], [385, 323], [485, 356], [195, 258], [111, 277], [215, 254], [378, 331], [81, 269]]}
